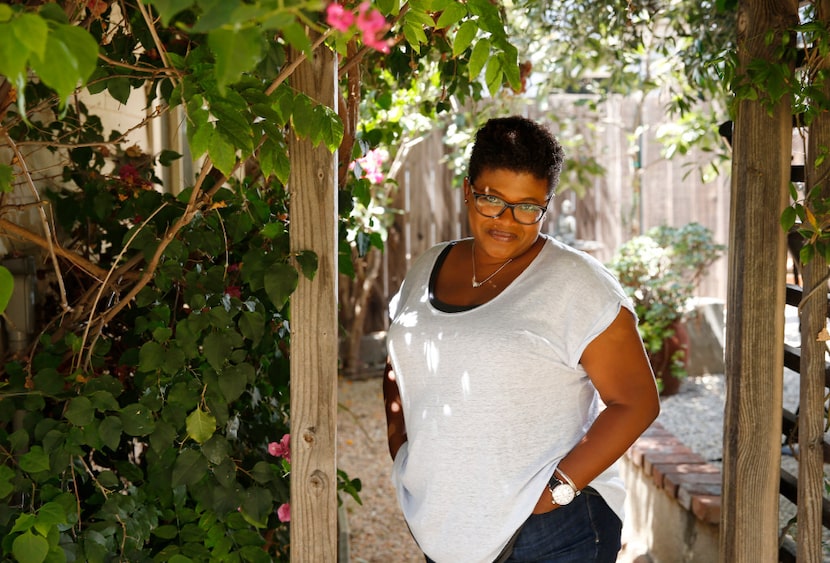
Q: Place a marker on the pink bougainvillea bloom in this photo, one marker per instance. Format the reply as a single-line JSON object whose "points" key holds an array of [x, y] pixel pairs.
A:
{"points": [[373, 25], [281, 448], [372, 165], [234, 291], [284, 512], [339, 17], [369, 20], [377, 44]]}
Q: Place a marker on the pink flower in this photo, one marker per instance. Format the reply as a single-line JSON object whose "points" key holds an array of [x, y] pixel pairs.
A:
{"points": [[372, 165], [234, 291], [373, 25], [284, 512], [369, 20], [281, 449], [339, 17]]}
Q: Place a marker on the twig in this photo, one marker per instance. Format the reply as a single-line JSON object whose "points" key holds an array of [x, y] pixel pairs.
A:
{"points": [[106, 280], [21, 162], [288, 70], [93, 270], [145, 13]]}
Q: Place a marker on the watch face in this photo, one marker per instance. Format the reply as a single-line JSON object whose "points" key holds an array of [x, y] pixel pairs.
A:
{"points": [[562, 494]]}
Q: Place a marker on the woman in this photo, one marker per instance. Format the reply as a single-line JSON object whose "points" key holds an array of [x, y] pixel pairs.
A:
{"points": [[516, 376]]}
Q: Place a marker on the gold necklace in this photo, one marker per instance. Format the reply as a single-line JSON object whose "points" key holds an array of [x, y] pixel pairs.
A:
{"points": [[491, 276]]}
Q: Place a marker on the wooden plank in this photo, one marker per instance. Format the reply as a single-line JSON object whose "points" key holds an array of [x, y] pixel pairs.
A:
{"points": [[811, 415], [313, 208], [755, 301]]}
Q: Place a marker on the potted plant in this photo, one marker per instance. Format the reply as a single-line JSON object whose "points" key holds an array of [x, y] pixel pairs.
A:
{"points": [[660, 271]]}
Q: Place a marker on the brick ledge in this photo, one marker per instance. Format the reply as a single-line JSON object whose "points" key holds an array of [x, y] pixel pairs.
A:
{"points": [[681, 473]]}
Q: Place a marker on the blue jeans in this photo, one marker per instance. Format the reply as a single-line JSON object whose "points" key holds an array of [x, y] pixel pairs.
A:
{"points": [[585, 531]]}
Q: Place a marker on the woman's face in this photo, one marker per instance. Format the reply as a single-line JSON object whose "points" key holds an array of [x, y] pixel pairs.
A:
{"points": [[503, 237]]}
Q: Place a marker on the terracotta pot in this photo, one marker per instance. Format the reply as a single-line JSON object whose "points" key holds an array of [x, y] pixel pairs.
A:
{"points": [[661, 361]]}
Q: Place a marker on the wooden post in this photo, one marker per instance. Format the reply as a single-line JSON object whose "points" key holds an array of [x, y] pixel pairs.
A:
{"points": [[313, 207], [811, 417], [756, 297]]}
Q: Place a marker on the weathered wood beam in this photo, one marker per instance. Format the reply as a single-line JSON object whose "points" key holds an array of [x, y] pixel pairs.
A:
{"points": [[762, 140], [811, 416], [313, 210]]}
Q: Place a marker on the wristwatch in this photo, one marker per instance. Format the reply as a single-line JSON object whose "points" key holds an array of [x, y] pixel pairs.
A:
{"points": [[561, 492]]}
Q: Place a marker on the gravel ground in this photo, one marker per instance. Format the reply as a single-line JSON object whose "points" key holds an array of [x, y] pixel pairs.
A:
{"points": [[376, 530]]}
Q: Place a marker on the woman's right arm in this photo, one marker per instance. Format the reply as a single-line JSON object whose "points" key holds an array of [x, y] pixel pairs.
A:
{"points": [[395, 425]]}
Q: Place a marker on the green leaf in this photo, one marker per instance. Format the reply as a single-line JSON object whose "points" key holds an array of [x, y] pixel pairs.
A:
{"points": [[50, 514], [464, 37], [217, 349], [200, 425], [6, 287], [30, 548], [189, 468], [232, 125], [70, 57], [6, 476], [150, 357], [6, 13], [493, 76], [215, 14], [252, 326], [788, 218], [49, 381], [167, 9], [119, 88], [237, 51], [262, 472], [454, 12], [296, 36], [217, 450], [234, 379], [280, 282], [414, 33], [137, 419], [478, 58], [80, 411], [167, 157], [35, 460], [13, 55], [110, 432], [328, 127], [273, 159], [309, 262], [302, 116], [32, 31], [221, 152]]}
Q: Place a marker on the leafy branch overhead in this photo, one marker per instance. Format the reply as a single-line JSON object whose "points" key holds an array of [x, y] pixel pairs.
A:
{"points": [[138, 423]]}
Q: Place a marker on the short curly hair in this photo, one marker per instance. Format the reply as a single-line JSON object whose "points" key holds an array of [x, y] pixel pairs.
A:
{"points": [[517, 144]]}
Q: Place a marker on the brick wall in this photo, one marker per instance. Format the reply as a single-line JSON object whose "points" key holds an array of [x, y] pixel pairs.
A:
{"points": [[674, 501]]}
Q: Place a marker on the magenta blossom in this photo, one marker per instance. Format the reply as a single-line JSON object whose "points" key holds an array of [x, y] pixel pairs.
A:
{"points": [[282, 448], [284, 512], [369, 21], [339, 17], [373, 25], [372, 165]]}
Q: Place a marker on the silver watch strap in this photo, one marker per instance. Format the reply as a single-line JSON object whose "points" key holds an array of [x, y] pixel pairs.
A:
{"points": [[567, 480]]}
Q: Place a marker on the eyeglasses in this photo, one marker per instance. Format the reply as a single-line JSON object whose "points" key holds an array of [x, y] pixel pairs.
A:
{"points": [[524, 213]]}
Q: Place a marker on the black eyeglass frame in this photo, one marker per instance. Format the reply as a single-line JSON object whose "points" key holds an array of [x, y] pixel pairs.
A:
{"points": [[505, 205]]}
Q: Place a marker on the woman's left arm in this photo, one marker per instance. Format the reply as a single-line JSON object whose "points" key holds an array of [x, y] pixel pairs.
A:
{"points": [[618, 366]]}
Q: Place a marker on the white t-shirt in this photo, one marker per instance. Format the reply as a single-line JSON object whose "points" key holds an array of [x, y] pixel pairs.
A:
{"points": [[494, 397]]}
